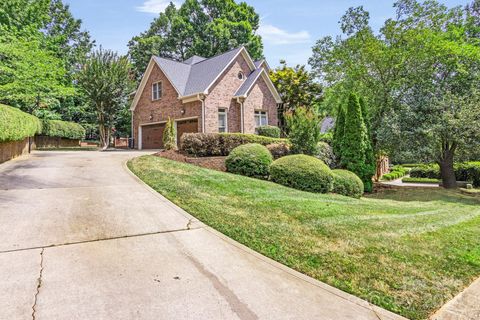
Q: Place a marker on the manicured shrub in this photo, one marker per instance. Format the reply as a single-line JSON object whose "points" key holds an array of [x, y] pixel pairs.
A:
{"points": [[220, 144], [431, 171], [269, 131], [325, 153], [251, 160], [304, 131], [170, 135], [302, 172], [347, 183], [62, 129], [17, 125], [279, 150], [396, 173]]}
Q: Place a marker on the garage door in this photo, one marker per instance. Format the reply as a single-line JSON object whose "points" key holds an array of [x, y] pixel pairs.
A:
{"points": [[152, 136], [186, 126]]}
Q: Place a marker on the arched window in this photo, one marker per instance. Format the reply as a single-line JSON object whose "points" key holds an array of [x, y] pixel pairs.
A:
{"points": [[241, 76]]}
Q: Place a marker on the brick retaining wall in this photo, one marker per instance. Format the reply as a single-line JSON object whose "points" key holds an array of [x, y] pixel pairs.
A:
{"points": [[13, 149], [53, 142]]}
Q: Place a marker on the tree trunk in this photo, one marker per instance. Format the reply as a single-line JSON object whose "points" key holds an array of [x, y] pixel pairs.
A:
{"points": [[447, 171]]}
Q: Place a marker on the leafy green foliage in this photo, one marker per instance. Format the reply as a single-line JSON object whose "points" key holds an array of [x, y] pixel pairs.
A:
{"points": [[17, 125], [252, 160], [220, 144], [170, 135], [31, 77], [41, 45], [297, 87], [269, 131], [199, 27], [302, 172], [304, 133], [347, 183], [105, 81], [62, 129]]}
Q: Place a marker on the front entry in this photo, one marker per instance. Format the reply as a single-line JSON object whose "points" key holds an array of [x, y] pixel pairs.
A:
{"points": [[186, 126], [152, 136]]}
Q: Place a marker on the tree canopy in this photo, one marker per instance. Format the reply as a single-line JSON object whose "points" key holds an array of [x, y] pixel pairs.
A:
{"points": [[198, 27], [419, 75]]}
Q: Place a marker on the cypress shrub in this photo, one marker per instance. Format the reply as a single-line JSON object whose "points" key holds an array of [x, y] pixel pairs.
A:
{"points": [[304, 132], [17, 125], [170, 135], [339, 132], [354, 146]]}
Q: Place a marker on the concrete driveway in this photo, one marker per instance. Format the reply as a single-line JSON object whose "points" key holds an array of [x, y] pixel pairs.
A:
{"points": [[81, 238]]}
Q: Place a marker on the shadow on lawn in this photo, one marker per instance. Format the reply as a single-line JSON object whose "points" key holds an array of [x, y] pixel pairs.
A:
{"points": [[425, 195]]}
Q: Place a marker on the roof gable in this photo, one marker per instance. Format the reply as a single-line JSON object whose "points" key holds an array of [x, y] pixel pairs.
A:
{"points": [[247, 86], [197, 75]]}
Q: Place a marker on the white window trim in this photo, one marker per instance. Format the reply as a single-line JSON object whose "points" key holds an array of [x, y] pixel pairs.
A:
{"points": [[161, 90], [225, 112], [266, 116]]}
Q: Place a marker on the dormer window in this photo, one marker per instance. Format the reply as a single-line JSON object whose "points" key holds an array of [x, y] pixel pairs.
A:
{"points": [[156, 91], [241, 76]]}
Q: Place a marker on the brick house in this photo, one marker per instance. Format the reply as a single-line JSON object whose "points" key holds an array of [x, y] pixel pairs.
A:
{"points": [[227, 93]]}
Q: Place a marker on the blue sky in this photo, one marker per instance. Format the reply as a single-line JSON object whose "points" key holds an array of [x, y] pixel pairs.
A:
{"points": [[289, 28]]}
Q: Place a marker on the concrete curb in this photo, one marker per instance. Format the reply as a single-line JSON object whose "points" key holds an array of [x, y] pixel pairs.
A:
{"points": [[450, 311], [380, 312]]}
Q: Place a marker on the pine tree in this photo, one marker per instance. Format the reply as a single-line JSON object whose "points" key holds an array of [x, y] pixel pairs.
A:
{"points": [[355, 140], [339, 132]]}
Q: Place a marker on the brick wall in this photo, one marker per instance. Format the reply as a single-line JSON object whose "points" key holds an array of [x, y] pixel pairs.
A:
{"points": [[13, 149], [221, 96], [260, 98], [148, 111]]}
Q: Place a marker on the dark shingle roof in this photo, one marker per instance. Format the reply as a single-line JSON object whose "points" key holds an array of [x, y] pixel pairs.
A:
{"points": [[327, 124], [194, 60], [243, 90], [196, 74]]}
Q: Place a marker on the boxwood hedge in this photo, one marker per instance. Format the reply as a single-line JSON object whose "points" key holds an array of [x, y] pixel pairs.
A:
{"points": [[62, 129], [17, 125], [220, 144]]}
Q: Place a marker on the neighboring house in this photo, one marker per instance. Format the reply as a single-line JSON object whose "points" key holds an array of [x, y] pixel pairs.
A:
{"points": [[226, 93]]}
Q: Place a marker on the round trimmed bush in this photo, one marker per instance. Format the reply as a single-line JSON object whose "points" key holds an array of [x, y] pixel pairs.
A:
{"points": [[347, 183], [302, 172], [251, 160]]}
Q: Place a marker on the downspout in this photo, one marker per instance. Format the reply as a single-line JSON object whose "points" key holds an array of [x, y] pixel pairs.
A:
{"points": [[242, 121], [202, 98], [132, 131]]}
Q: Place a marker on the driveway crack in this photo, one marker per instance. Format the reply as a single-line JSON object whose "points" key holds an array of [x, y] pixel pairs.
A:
{"points": [[39, 284]]}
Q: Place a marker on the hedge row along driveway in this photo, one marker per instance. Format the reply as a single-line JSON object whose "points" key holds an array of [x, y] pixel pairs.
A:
{"points": [[408, 251]]}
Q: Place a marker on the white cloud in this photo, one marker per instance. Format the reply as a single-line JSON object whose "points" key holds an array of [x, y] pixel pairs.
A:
{"points": [[277, 36], [155, 6]]}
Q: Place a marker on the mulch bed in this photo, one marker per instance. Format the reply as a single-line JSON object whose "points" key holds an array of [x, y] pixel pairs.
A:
{"points": [[214, 163]]}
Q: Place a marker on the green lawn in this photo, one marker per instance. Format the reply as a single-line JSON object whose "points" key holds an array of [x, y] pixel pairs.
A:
{"points": [[408, 251]]}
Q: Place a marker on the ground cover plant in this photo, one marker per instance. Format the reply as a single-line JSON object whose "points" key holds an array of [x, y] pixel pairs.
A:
{"points": [[420, 180], [406, 250]]}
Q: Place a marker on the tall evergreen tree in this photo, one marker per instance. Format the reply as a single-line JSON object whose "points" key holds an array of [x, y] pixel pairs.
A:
{"points": [[370, 159], [355, 141], [339, 132]]}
